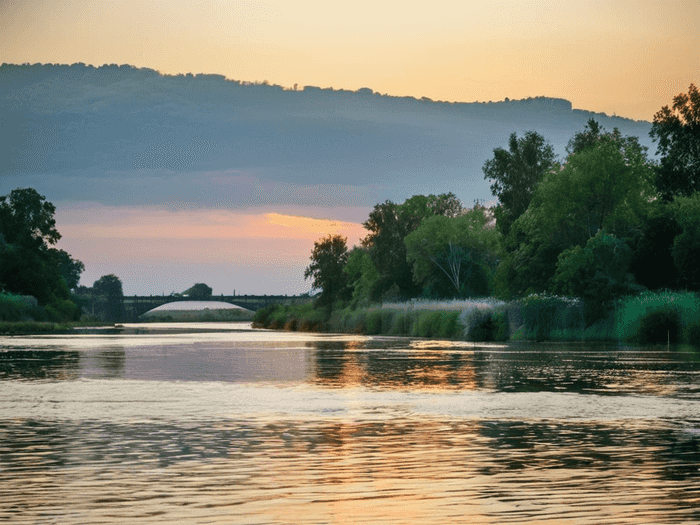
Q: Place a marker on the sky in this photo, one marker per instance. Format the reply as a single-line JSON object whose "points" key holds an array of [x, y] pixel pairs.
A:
{"points": [[627, 58]]}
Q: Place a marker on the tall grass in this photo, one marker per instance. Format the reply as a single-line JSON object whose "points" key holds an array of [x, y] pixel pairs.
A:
{"points": [[646, 318]]}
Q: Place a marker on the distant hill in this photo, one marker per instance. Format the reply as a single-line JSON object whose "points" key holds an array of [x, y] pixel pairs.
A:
{"points": [[68, 123]]}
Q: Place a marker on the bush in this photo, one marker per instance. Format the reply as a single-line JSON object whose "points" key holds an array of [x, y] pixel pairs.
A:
{"points": [[658, 326], [486, 325], [642, 318]]}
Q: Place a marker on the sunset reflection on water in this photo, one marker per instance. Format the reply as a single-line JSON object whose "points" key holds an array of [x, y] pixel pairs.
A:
{"points": [[250, 427]]}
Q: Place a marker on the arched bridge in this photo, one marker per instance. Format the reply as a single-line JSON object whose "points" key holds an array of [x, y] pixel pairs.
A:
{"points": [[136, 305]]}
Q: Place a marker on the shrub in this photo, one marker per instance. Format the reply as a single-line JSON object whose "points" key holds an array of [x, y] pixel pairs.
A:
{"points": [[677, 311], [658, 326]]}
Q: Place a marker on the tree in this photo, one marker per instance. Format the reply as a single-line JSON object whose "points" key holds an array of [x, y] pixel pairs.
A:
{"points": [[388, 225], [328, 259], [677, 131], [686, 245], [516, 173], [597, 273], [199, 291], [652, 263], [26, 219], [454, 257], [70, 268], [607, 185], [28, 265], [362, 275], [110, 295]]}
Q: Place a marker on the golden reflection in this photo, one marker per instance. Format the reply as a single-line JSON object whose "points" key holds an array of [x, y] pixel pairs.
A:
{"points": [[426, 368]]}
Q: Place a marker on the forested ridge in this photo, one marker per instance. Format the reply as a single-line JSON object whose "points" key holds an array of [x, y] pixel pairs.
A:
{"points": [[107, 123]]}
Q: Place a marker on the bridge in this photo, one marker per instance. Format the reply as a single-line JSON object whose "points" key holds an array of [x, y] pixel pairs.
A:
{"points": [[135, 305]]}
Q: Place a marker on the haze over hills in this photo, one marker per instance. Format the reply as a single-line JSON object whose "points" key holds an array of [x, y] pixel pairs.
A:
{"points": [[171, 180], [227, 143]]}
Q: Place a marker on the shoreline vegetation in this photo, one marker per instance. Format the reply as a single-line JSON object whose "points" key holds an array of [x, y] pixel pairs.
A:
{"points": [[648, 318]]}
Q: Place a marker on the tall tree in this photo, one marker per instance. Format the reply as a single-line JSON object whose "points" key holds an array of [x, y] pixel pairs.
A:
{"points": [[328, 259], [28, 264], [677, 131], [605, 185], [110, 294], [515, 173], [454, 257], [388, 225]]}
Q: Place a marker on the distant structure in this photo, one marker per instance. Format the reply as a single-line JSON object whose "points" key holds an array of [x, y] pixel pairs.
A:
{"points": [[198, 311]]}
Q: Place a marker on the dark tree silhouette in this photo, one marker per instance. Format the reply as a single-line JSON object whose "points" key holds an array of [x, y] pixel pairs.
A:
{"points": [[677, 130]]}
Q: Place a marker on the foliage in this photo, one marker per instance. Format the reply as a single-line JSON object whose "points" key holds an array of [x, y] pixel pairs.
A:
{"points": [[69, 268], [636, 321], [596, 273], [686, 245], [677, 131], [606, 185], [28, 263], [362, 275], [110, 296], [388, 225], [199, 291], [26, 219], [541, 314], [516, 173], [328, 259], [454, 256], [652, 263]]}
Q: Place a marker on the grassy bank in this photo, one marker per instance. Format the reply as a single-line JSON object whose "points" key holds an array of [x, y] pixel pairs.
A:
{"points": [[652, 317]]}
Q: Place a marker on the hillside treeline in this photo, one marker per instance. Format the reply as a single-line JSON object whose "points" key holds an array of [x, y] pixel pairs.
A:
{"points": [[96, 124], [602, 222]]}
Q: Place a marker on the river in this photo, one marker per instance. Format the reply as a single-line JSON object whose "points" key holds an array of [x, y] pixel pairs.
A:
{"points": [[220, 423]]}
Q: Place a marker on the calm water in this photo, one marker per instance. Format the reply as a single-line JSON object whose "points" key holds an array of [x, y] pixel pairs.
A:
{"points": [[243, 426]]}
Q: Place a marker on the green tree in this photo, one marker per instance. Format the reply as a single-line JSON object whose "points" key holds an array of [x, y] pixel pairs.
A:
{"points": [[27, 219], [607, 185], [110, 297], [388, 225], [686, 245], [597, 273], [454, 257], [328, 260], [199, 291], [362, 275], [28, 264], [515, 173], [70, 268], [652, 263], [677, 131]]}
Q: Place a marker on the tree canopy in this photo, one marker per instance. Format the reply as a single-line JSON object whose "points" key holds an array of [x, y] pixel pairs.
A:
{"points": [[328, 259], [388, 225], [516, 173], [677, 130], [453, 257], [199, 291], [608, 184], [28, 263]]}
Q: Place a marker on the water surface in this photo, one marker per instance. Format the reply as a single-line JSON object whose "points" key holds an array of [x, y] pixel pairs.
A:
{"points": [[221, 423]]}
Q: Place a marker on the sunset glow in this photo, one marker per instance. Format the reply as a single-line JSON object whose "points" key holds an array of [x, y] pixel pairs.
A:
{"points": [[160, 221]]}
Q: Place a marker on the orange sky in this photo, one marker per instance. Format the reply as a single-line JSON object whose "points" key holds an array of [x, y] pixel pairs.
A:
{"points": [[155, 250], [628, 57]]}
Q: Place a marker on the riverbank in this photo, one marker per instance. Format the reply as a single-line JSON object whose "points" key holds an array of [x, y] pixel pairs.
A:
{"points": [[650, 317], [45, 327]]}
